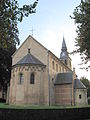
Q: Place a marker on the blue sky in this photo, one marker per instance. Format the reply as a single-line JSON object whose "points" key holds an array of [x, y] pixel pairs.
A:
{"points": [[50, 23]]}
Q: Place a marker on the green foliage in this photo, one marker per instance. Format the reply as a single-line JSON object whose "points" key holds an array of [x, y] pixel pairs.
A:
{"points": [[86, 82], [10, 15], [88, 100], [82, 20]]}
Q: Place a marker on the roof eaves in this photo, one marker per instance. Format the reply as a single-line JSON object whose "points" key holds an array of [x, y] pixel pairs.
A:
{"points": [[62, 83], [17, 65]]}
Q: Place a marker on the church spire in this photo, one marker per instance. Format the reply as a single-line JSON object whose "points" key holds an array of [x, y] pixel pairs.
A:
{"points": [[64, 44], [64, 56], [64, 53]]}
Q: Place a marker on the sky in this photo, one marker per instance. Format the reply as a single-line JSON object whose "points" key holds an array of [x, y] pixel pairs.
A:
{"points": [[50, 23]]}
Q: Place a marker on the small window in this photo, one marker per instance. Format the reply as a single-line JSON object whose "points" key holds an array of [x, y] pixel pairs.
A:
{"points": [[80, 96], [70, 64], [53, 65], [52, 79], [21, 78], [66, 62], [32, 78], [57, 67]]}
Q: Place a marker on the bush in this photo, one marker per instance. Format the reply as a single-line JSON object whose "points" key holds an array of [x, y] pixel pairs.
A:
{"points": [[2, 100]]}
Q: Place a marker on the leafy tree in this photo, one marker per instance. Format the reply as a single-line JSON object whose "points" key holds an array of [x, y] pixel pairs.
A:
{"points": [[86, 82], [82, 19], [10, 15]]}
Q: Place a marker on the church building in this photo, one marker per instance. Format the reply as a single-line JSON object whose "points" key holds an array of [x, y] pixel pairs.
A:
{"points": [[38, 77]]}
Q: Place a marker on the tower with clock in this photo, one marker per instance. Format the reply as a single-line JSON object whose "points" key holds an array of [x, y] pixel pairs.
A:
{"points": [[64, 55]]}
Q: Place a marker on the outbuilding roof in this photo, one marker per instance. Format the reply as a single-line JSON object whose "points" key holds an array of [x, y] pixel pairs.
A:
{"points": [[78, 84], [63, 78], [66, 78]]}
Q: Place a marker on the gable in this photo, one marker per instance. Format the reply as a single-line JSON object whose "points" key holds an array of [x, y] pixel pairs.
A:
{"points": [[36, 49]]}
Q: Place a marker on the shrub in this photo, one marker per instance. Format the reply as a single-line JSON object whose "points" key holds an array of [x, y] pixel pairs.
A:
{"points": [[2, 100], [89, 100]]}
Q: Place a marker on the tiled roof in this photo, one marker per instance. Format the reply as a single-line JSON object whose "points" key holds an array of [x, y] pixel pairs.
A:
{"points": [[78, 84], [63, 78], [29, 59]]}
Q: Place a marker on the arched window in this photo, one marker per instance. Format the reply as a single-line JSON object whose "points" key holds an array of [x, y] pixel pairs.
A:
{"points": [[70, 64], [57, 67], [53, 66], [66, 62], [32, 78], [21, 78]]}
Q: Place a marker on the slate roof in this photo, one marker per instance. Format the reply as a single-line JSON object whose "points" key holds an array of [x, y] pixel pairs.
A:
{"points": [[29, 59], [63, 78], [64, 44], [66, 78], [78, 84], [64, 53]]}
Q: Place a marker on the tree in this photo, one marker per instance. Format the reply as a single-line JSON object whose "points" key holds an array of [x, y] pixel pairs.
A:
{"points": [[82, 19], [86, 82], [10, 15]]}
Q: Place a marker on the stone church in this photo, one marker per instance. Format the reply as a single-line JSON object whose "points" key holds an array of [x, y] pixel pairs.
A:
{"points": [[38, 77]]}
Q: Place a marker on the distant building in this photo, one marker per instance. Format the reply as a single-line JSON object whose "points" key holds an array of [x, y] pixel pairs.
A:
{"points": [[39, 77]]}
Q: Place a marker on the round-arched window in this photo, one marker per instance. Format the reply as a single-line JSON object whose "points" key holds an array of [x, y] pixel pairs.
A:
{"points": [[32, 78], [21, 78]]}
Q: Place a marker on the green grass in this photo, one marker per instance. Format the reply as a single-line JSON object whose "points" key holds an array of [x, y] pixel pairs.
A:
{"points": [[6, 106]]}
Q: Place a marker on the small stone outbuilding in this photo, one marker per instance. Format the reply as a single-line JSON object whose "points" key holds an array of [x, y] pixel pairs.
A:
{"points": [[80, 93]]}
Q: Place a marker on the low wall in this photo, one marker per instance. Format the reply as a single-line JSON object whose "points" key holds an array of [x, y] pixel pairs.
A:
{"points": [[45, 114]]}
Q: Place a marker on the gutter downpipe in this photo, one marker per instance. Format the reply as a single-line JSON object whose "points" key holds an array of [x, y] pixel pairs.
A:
{"points": [[71, 90], [71, 94], [48, 78]]}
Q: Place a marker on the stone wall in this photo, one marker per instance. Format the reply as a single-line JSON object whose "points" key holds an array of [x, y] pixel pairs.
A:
{"points": [[27, 93], [55, 67], [80, 96], [36, 49], [63, 94]]}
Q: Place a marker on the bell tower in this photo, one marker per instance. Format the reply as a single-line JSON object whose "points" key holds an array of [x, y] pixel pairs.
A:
{"points": [[64, 56]]}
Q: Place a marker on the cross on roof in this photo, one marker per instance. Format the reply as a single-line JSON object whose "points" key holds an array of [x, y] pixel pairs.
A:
{"points": [[32, 30]]}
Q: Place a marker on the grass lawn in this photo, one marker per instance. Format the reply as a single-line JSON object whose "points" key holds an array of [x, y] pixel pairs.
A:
{"points": [[6, 106]]}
